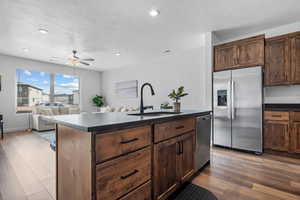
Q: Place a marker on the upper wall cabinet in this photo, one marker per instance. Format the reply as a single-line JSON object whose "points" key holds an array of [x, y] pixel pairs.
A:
{"points": [[295, 58], [242, 53], [277, 68], [225, 57], [282, 60]]}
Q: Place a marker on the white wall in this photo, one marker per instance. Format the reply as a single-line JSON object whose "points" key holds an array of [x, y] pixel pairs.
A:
{"points": [[277, 94], [276, 31], [89, 86], [191, 69]]}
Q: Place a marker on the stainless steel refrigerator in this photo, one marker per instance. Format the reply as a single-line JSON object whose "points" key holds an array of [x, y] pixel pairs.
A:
{"points": [[237, 106]]}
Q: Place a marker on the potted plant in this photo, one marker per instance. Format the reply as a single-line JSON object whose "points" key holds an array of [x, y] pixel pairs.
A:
{"points": [[98, 101], [176, 96]]}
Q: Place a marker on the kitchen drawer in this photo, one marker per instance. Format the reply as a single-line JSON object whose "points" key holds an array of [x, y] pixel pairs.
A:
{"points": [[118, 177], [276, 116], [141, 193], [295, 116], [109, 145], [171, 129]]}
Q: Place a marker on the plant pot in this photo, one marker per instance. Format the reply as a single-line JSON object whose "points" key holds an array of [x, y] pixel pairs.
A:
{"points": [[177, 107]]}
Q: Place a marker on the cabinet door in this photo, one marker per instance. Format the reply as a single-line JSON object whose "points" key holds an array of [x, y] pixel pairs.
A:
{"points": [[225, 57], [251, 53], [295, 59], [295, 138], [186, 164], [166, 158], [276, 135], [277, 66]]}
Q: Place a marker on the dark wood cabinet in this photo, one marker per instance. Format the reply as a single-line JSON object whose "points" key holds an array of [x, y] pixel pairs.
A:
{"points": [[277, 64], [173, 163], [242, 53], [251, 52], [166, 162], [276, 135], [295, 132], [282, 60], [225, 57], [186, 164], [295, 137], [282, 131], [295, 58]]}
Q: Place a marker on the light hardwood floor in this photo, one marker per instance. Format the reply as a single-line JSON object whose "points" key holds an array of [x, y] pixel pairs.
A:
{"points": [[27, 168], [27, 172]]}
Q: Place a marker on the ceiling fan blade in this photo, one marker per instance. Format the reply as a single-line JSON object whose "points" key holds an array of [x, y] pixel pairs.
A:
{"points": [[84, 63], [58, 58], [88, 59]]}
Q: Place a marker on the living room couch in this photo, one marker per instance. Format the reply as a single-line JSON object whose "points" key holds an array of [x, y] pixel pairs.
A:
{"points": [[39, 124]]}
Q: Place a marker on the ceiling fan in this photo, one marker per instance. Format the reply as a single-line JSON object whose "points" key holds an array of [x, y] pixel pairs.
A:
{"points": [[75, 60]]}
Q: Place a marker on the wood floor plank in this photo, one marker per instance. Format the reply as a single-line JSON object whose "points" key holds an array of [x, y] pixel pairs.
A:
{"points": [[278, 193], [10, 188], [234, 175], [28, 180], [44, 195], [33, 163]]}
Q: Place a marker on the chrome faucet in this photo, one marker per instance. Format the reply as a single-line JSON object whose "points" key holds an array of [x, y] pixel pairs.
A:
{"points": [[142, 108]]}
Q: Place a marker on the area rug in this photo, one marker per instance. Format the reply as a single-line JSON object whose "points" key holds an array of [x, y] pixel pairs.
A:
{"points": [[49, 136], [194, 192]]}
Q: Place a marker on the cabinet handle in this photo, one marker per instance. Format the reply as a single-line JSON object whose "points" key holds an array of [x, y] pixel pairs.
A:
{"points": [[276, 115], [178, 148], [130, 174], [128, 141], [179, 127], [181, 147]]}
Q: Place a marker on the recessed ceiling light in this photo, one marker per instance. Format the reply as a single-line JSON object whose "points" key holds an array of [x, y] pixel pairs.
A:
{"points": [[154, 12], [43, 31], [118, 54], [25, 49]]}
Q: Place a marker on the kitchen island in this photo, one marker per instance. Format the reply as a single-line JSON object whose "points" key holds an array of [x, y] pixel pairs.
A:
{"points": [[108, 156]]}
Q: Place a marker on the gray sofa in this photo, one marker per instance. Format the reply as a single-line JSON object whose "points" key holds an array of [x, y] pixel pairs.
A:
{"points": [[39, 124]]}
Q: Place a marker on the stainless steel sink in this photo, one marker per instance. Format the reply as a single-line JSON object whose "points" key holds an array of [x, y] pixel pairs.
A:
{"points": [[157, 113]]}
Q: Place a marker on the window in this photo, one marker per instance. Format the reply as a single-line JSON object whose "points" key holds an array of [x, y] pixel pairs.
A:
{"points": [[35, 88], [66, 89]]}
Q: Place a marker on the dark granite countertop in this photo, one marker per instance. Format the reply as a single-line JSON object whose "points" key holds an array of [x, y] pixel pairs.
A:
{"points": [[98, 122], [282, 107]]}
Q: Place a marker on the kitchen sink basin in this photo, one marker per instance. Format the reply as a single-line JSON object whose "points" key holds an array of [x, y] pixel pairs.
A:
{"points": [[153, 113]]}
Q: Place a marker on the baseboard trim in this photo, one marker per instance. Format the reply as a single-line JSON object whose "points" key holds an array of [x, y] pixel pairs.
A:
{"points": [[10, 130]]}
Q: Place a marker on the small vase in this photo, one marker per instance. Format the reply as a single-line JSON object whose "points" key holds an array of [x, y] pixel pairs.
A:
{"points": [[177, 107]]}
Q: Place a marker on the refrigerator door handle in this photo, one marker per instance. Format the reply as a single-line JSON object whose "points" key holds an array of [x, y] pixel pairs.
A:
{"points": [[229, 106], [232, 100]]}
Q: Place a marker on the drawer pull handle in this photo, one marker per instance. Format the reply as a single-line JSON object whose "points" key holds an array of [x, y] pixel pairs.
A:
{"points": [[276, 115], [130, 174], [179, 127], [128, 141]]}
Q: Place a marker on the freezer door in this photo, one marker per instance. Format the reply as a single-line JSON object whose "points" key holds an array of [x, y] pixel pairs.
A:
{"points": [[222, 108], [247, 109]]}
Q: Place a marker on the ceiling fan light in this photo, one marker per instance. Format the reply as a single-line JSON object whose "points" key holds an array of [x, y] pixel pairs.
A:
{"points": [[73, 62]]}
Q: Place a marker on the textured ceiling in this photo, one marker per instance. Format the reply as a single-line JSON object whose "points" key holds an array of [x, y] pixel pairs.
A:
{"points": [[100, 28]]}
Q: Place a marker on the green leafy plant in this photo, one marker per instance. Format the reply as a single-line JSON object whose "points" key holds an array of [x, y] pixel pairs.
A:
{"points": [[98, 101], [177, 95]]}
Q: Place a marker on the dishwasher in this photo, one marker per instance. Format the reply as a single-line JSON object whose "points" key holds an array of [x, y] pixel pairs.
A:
{"points": [[203, 138]]}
